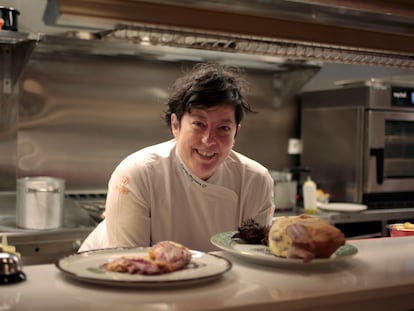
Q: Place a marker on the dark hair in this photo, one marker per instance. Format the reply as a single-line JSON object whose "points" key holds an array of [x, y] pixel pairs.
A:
{"points": [[205, 86]]}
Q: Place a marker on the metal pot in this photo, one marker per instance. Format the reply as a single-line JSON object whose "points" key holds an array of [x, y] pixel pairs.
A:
{"points": [[9, 17], [40, 202]]}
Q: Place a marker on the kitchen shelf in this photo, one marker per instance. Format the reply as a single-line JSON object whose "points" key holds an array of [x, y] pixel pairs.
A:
{"points": [[12, 37], [376, 219]]}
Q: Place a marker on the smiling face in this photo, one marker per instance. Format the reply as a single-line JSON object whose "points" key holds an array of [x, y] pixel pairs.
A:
{"points": [[205, 138]]}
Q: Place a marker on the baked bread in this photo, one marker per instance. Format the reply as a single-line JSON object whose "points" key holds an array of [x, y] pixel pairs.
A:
{"points": [[306, 237]]}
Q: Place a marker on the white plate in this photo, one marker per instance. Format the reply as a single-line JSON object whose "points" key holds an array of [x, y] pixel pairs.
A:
{"points": [[261, 254], [86, 266], [342, 207]]}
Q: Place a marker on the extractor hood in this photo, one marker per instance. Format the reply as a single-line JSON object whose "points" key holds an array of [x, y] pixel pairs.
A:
{"points": [[372, 32]]}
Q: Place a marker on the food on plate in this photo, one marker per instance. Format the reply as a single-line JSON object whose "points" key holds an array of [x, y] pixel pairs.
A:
{"points": [[305, 237], [322, 196], [173, 256], [403, 226], [252, 233], [163, 257], [401, 229]]}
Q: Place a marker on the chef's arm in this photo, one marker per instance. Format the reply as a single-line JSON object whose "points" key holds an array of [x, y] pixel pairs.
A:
{"points": [[127, 210]]}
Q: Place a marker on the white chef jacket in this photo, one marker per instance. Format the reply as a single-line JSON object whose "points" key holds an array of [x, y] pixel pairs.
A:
{"points": [[152, 196]]}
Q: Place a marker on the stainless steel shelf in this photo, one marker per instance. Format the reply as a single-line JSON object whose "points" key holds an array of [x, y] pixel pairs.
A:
{"points": [[382, 216], [12, 37], [45, 246]]}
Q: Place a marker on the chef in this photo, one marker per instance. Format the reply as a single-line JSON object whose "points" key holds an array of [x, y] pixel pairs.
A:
{"points": [[194, 185]]}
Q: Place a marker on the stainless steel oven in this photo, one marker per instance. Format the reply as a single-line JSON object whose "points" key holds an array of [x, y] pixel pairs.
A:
{"points": [[358, 141]]}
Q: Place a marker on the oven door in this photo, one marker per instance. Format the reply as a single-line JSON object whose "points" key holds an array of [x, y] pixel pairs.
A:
{"points": [[390, 153]]}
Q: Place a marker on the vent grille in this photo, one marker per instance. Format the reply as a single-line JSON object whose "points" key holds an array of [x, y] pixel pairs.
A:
{"points": [[176, 37]]}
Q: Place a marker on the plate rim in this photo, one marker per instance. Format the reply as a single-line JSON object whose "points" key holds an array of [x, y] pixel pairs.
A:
{"points": [[325, 207], [279, 261], [140, 283]]}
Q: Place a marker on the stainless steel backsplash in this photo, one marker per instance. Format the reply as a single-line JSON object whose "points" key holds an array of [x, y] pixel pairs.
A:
{"points": [[78, 115]]}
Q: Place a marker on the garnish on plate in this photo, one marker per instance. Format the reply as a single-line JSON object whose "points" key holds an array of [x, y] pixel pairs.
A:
{"points": [[252, 233]]}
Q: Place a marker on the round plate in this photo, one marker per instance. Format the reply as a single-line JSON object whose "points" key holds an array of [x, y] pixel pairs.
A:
{"points": [[342, 207], [261, 254], [86, 266]]}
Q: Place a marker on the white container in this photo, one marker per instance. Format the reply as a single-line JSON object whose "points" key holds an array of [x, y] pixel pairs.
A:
{"points": [[310, 202], [285, 191], [39, 202]]}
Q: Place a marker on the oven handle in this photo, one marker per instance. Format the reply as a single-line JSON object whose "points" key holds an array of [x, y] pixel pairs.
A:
{"points": [[378, 153]]}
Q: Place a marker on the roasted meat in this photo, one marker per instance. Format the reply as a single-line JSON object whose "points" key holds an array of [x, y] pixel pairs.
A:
{"points": [[305, 237], [135, 265], [172, 255], [163, 257]]}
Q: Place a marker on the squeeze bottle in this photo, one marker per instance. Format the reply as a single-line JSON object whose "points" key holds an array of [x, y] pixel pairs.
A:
{"points": [[309, 196]]}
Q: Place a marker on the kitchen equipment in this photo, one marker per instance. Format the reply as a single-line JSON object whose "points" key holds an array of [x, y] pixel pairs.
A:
{"points": [[11, 268], [359, 141], [39, 202], [285, 190], [9, 17]]}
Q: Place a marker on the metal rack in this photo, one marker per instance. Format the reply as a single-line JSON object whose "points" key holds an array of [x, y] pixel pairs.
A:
{"points": [[232, 43], [355, 32]]}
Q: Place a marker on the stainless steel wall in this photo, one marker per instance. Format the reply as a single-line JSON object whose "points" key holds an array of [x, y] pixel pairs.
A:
{"points": [[8, 120], [80, 114]]}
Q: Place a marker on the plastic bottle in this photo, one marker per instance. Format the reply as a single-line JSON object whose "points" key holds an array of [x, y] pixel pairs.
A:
{"points": [[309, 196]]}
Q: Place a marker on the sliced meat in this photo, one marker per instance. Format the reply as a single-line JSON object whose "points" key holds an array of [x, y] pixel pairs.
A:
{"points": [[163, 257], [173, 255], [302, 244], [137, 265]]}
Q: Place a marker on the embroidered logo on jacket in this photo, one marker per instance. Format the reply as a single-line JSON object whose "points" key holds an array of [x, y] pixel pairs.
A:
{"points": [[121, 186], [191, 177]]}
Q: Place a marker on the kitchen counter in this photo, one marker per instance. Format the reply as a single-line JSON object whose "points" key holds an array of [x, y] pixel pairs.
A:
{"points": [[372, 222], [45, 246], [379, 277]]}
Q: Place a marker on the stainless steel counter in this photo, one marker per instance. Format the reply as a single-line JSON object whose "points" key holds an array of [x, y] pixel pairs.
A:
{"points": [[45, 246], [374, 222], [370, 223]]}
